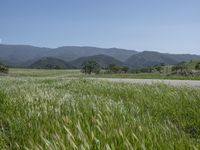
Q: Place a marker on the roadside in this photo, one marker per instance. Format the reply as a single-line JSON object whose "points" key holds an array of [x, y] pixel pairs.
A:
{"points": [[190, 83]]}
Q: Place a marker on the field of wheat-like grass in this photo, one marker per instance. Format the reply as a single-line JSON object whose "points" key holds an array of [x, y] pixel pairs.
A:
{"points": [[62, 113]]}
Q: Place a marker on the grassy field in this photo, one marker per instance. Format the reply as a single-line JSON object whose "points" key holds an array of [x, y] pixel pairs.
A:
{"points": [[77, 73], [15, 72], [46, 111]]}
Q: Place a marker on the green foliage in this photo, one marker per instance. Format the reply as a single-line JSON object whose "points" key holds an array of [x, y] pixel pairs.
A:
{"points": [[54, 113], [157, 68], [181, 68], [3, 69], [90, 66], [103, 60], [113, 68], [146, 70], [197, 67], [51, 63], [124, 69]]}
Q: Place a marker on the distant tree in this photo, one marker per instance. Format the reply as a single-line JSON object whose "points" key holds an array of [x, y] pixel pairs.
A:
{"points": [[135, 70], [197, 67], [3, 69], [146, 70], [90, 66], [125, 69], [112, 68], [158, 68], [180, 68]]}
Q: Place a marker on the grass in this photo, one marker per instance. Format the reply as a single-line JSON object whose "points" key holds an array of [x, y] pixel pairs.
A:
{"points": [[15, 72], [149, 76], [76, 73], [64, 113]]}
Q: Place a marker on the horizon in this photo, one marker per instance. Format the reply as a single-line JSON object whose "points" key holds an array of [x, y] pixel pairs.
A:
{"points": [[165, 27], [139, 51]]}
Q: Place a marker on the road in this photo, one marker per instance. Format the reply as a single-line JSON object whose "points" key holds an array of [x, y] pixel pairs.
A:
{"points": [[190, 83]]}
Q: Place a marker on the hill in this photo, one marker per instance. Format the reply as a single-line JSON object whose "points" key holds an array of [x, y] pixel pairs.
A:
{"points": [[150, 58], [18, 55], [50, 63], [103, 60], [69, 53], [24, 55]]}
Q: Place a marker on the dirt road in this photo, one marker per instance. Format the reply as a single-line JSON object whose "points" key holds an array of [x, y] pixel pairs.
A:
{"points": [[190, 83]]}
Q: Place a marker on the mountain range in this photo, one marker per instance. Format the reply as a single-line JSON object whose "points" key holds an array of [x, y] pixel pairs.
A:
{"points": [[68, 56]]}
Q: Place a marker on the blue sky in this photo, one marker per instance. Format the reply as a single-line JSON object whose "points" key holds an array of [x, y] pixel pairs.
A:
{"points": [[158, 25]]}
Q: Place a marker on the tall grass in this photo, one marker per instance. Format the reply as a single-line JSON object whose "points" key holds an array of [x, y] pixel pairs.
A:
{"points": [[39, 113], [14, 72]]}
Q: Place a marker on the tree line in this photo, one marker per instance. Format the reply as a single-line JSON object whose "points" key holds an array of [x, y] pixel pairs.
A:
{"points": [[91, 66]]}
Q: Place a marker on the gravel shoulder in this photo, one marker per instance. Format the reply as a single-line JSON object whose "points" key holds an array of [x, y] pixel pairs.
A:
{"points": [[190, 83]]}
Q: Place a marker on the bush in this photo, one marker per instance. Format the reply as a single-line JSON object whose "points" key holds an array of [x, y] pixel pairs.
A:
{"points": [[197, 67], [3, 69], [112, 68], [180, 68], [90, 66]]}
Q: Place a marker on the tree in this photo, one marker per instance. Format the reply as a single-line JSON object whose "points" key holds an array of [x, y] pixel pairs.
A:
{"points": [[197, 67], [125, 69], [3, 69], [90, 66], [181, 68], [114, 68], [159, 67]]}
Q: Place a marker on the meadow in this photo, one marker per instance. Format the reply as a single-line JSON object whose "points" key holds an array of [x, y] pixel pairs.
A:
{"points": [[47, 109], [15, 72]]}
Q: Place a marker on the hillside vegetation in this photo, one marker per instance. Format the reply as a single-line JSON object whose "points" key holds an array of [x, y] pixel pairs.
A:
{"points": [[149, 59], [62, 113], [102, 60], [51, 63]]}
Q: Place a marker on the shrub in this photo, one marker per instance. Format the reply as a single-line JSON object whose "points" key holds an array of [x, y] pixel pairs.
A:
{"points": [[197, 67], [112, 68], [90, 66], [3, 69], [180, 68]]}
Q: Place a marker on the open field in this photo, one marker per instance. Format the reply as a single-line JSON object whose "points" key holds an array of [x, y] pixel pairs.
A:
{"points": [[14, 72], [49, 112], [76, 73]]}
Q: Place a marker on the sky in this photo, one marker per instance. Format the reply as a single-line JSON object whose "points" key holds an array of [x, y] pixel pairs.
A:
{"points": [[171, 26]]}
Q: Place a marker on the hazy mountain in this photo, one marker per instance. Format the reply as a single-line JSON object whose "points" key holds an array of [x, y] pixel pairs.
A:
{"points": [[25, 55], [149, 58], [51, 63], [17, 55], [103, 60], [69, 53], [21, 55]]}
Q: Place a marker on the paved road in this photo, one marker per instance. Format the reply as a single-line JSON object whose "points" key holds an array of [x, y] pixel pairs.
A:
{"points": [[190, 83]]}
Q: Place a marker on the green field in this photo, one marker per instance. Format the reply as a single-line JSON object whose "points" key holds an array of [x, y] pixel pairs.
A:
{"points": [[43, 109], [76, 73]]}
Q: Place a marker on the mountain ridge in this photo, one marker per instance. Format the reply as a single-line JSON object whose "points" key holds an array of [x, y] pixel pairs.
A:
{"points": [[17, 55], [25, 55], [151, 58], [102, 60], [50, 63]]}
